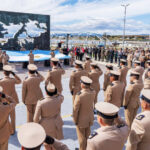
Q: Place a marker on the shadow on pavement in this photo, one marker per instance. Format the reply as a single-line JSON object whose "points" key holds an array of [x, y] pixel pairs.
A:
{"points": [[14, 141]]}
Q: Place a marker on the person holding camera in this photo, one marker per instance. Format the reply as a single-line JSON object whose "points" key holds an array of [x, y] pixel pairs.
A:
{"points": [[31, 91]]}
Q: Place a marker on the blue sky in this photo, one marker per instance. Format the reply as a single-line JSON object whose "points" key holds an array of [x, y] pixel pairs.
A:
{"points": [[93, 16]]}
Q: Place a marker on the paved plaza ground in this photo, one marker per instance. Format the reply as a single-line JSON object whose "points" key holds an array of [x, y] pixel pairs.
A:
{"points": [[69, 129]]}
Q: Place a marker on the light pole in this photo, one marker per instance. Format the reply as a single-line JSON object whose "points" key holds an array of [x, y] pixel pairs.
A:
{"points": [[124, 29]]}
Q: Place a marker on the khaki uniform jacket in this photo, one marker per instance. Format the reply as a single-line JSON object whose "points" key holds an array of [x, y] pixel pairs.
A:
{"points": [[87, 65], [1, 57], [115, 93], [83, 115], [139, 138], [8, 85], [31, 58], [108, 138], [47, 114], [140, 70], [74, 83], [131, 99], [106, 80], [59, 145], [31, 91], [130, 57], [94, 75], [4, 119], [123, 71], [5, 59], [54, 77], [146, 73]]}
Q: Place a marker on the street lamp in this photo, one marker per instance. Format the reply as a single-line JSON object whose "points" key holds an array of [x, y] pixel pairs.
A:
{"points": [[124, 29]]}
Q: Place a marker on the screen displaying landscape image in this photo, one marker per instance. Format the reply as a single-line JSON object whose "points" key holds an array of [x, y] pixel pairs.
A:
{"points": [[24, 31]]}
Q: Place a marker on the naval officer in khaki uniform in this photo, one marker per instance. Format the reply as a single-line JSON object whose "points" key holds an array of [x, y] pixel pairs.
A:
{"points": [[83, 115], [31, 57], [94, 75], [138, 69], [31, 136], [129, 59], [131, 99], [107, 76], [139, 138], [74, 83], [7, 105], [31, 91], [86, 65], [8, 84], [147, 70], [123, 71], [47, 112], [52, 54], [115, 92], [113, 132], [55, 75], [5, 58]]}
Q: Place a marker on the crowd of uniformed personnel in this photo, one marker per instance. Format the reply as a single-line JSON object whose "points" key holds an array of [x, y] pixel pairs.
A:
{"points": [[44, 122]]}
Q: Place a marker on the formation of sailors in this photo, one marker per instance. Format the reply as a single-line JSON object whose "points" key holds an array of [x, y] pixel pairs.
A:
{"points": [[44, 123]]}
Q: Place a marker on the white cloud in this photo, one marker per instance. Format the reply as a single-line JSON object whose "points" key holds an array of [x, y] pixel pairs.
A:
{"points": [[78, 17]]}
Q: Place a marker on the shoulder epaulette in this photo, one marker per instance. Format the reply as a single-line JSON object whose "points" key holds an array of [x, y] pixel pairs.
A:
{"points": [[91, 89], [78, 93], [131, 82], [121, 125], [140, 117], [112, 84], [26, 77], [93, 135], [41, 99]]}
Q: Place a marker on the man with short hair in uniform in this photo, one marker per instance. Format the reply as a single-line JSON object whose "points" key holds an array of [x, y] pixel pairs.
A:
{"points": [[86, 65], [138, 69], [113, 132], [32, 136], [8, 84], [115, 92], [55, 75], [131, 101], [31, 91], [139, 138], [7, 104], [47, 112], [83, 115], [74, 83]]}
